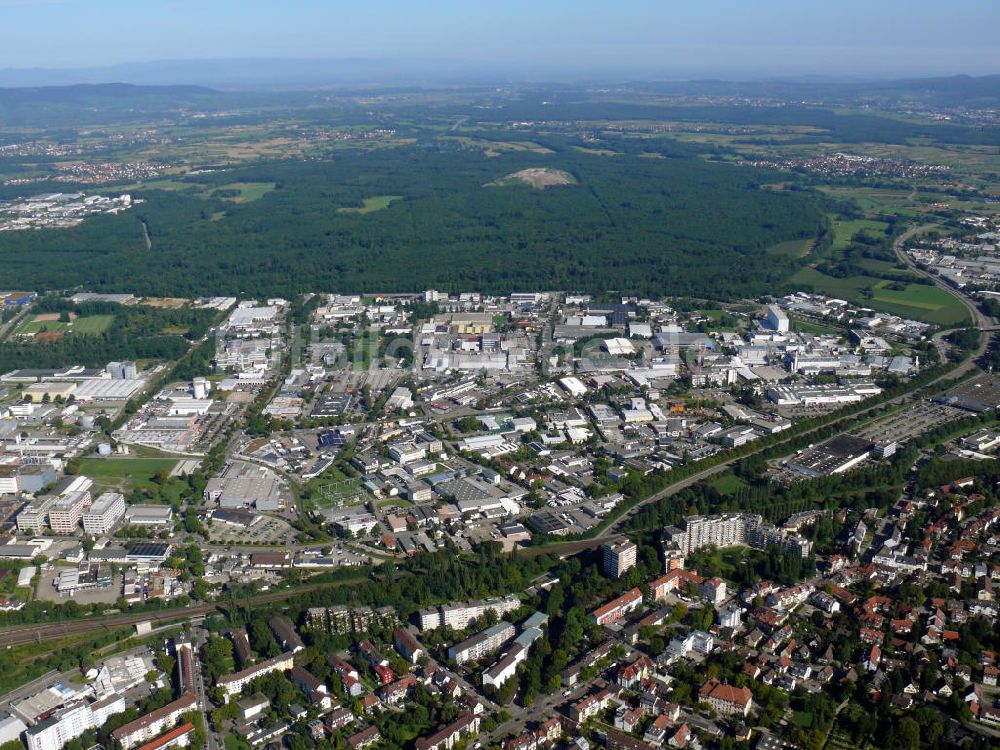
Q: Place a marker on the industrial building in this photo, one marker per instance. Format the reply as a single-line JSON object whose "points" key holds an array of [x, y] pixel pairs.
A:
{"points": [[777, 319], [832, 457], [821, 395], [242, 485]]}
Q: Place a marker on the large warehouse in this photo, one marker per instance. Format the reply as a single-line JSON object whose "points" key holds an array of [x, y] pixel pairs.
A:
{"points": [[832, 457]]}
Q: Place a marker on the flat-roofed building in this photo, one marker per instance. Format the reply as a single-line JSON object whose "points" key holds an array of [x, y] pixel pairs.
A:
{"points": [[147, 727], [777, 319], [48, 391], [66, 512], [241, 485], [149, 515], [107, 389], [69, 722], [32, 518], [104, 514], [483, 643], [618, 557], [460, 615]]}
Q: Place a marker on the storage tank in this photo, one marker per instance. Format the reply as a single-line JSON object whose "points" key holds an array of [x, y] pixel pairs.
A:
{"points": [[104, 449], [200, 387]]}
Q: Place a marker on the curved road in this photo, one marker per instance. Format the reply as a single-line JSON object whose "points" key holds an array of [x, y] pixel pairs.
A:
{"points": [[979, 319]]}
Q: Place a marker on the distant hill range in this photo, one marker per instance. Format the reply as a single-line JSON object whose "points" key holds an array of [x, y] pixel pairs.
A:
{"points": [[946, 91], [85, 92], [259, 74]]}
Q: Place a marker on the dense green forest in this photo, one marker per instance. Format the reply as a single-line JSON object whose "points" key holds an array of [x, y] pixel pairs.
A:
{"points": [[675, 225]]}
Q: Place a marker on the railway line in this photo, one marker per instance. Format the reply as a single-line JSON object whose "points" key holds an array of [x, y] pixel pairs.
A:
{"points": [[15, 635]]}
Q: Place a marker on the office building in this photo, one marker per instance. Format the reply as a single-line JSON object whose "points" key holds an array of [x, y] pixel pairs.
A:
{"points": [[31, 519], [104, 514], [66, 512]]}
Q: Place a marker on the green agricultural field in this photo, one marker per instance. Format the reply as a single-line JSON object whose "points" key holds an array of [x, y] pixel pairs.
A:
{"points": [[817, 329], [92, 324], [883, 266], [370, 205], [923, 302], [849, 288], [844, 230], [596, 151], [727, 483]]}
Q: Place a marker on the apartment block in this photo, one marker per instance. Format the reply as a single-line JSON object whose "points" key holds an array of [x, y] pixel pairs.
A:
{"points": [[481, 644], [618, 557], [460, 615], [154, 723]]}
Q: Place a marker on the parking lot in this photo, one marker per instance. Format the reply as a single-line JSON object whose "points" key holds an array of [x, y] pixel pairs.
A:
{"points": [[266, 531], [47, 590], [911, 421]]}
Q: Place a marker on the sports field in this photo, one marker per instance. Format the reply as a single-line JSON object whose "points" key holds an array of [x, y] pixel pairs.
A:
{"points": [[91, 324]]}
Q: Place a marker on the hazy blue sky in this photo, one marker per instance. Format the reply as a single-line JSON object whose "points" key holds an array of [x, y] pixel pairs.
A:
{"points": [[671, 38]]}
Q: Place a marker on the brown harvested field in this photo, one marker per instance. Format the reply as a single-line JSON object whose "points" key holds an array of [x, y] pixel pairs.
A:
{"points": [[537, 177], [165, 303]]}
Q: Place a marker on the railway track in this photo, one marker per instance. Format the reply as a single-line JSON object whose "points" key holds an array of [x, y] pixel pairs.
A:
{"points": [[16, 635]]}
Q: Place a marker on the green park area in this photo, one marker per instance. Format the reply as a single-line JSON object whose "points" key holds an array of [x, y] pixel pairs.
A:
{"points": [[127, 474]]}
